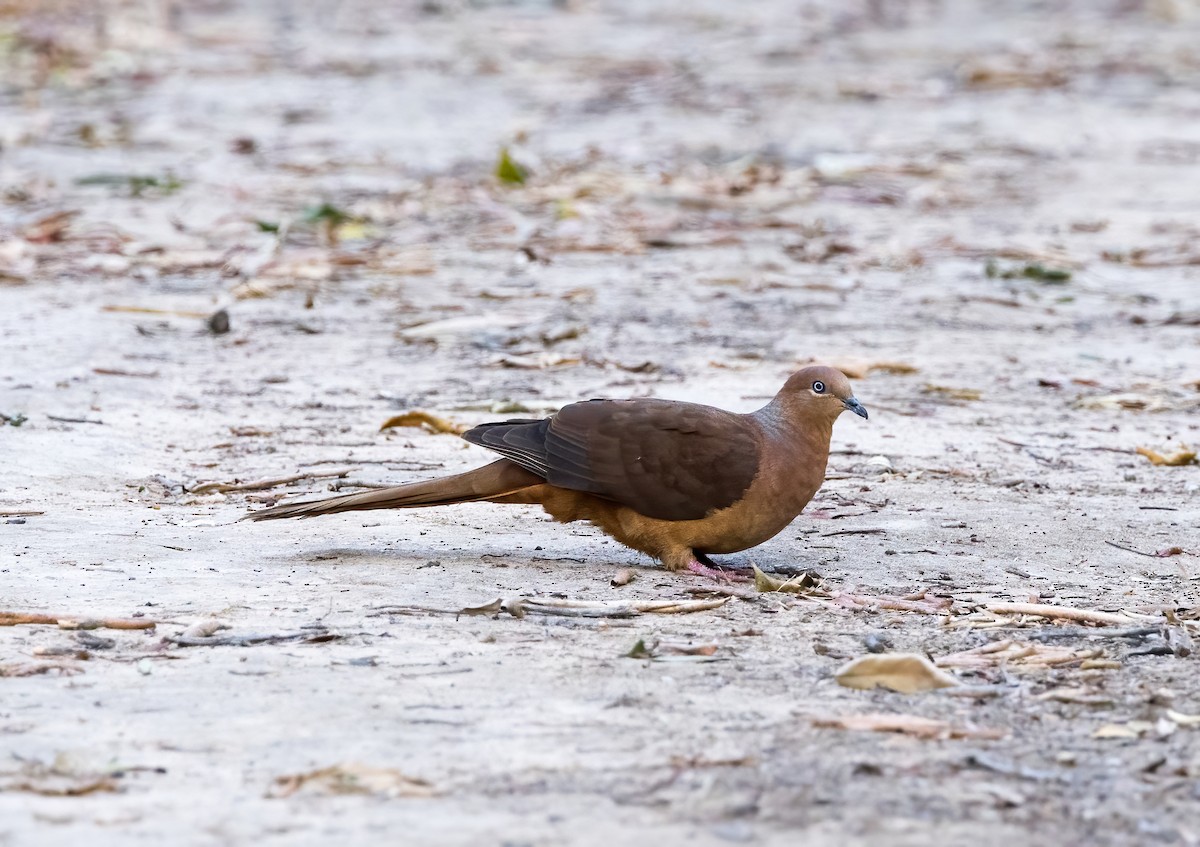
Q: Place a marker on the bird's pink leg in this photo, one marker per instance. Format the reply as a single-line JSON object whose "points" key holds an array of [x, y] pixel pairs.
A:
{"points": [[716, 574]]}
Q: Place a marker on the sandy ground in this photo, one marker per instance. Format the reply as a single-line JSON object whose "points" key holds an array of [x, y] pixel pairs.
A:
{"points": [[715, 193]]}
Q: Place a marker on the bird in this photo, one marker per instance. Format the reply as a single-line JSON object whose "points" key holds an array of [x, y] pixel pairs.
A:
{"points": [[676, 481]]}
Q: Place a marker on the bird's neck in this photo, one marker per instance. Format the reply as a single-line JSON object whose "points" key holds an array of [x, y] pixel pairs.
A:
{"points": [[792, 425], [800, 446]]}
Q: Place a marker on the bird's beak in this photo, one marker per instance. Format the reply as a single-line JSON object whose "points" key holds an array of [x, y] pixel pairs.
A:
{"points": [[858, 408]]}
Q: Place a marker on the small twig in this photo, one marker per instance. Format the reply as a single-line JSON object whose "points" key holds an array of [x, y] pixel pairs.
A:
{"points": [[259, 485], [1152, 650], [61, 419], [1161, 508], [1061, 612], [72, 622], [358, 483], [145, 310], [604, 608], [853, 532], [1129, 549], [521, 606], [936, 606], [977, 692], [1063, 632], [393, 463], [722, 591], [250, 640], [119, 372], [19, 513]]}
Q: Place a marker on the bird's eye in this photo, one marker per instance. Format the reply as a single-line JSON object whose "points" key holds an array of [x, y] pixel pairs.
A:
{"points": [[819, 387]]}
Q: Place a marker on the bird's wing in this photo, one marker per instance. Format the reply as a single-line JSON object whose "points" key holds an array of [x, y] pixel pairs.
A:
{"points": [[666, 460]]}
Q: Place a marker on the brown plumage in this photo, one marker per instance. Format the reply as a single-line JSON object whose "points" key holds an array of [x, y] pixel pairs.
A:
{"points": [[674, 480]]}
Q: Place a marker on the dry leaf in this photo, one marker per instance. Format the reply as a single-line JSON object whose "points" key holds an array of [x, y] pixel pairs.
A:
{"points": [[352, 779], [1179, 458], [492, 608], [49, 228], [424, 420], [1182, 719], [688, 649], [38, 668], [536, 361], [1133, 729], [906, 724], [665, 651], [1163, 401], [805, 583], [63, 785], [952, 393], [860, 368], [907, 673]]}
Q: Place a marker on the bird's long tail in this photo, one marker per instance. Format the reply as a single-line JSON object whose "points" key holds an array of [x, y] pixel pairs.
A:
{"points": [[495, 480]]}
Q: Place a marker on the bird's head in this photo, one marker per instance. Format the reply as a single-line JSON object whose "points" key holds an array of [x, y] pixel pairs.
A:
{"points": [[821, 391]]}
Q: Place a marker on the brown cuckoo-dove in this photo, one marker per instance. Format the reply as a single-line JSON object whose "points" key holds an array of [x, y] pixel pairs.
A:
{"points": [[677, 481]]}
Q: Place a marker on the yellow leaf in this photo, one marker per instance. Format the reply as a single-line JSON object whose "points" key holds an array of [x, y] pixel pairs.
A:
{"points": [[424, 420], [1179, 458], [907, 673]]}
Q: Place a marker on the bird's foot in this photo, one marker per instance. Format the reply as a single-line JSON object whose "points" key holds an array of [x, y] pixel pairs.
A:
{"points": [[704, 559], [716, 574]]}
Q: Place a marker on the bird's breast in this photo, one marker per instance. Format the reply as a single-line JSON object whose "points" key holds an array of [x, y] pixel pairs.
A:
{"points": [[775, 497]]}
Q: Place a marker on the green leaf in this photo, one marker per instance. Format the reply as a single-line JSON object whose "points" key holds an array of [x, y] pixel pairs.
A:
{"points": [[640, 650], [1033, 270], [326, 213], [1045, 274], [510, 171]]}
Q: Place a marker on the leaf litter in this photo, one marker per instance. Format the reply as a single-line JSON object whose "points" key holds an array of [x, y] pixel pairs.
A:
{"points": [[718, 207]]}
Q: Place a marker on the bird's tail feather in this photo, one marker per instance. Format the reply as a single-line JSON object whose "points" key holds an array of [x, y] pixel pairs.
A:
{"points": [[495, 480]]}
